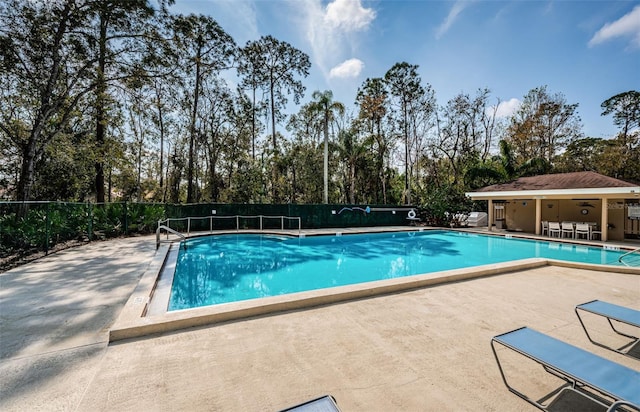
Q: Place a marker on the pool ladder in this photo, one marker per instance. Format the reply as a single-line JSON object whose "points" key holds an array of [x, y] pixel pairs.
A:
{"points": [[621, 258], [169, 230]]}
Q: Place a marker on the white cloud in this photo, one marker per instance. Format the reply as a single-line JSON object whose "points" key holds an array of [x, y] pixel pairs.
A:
{"points": [[323, 41], [507, 108], [626, 26], [348, 68], [332, 32], [451, 18], [348, 15]]}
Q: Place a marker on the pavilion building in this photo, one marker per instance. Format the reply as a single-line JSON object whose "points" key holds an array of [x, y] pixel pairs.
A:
{"points": [[612, 205]]}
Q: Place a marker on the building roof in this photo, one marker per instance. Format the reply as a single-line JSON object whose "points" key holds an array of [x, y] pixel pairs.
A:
{"points": [[575, 180], [558, 186]]}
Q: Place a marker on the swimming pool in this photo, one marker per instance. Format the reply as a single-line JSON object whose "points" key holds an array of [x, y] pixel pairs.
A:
{"points": [[229, 268]]}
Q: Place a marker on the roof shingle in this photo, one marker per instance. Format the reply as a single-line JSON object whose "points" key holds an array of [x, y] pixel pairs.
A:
{"points": [[575, 180]]}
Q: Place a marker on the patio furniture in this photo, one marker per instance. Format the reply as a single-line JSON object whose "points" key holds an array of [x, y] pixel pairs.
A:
{"points": [[567, 228], [554, 229], [585, 374], [619, 314], [595, 231], [582, 229], [325, 403], [545, 227]]}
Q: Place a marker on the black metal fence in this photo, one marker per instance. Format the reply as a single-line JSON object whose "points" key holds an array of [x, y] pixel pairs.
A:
{"points": [[38, 226]]}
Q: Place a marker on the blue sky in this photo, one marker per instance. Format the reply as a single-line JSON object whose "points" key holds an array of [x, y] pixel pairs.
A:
{"points": [[586, 50]]}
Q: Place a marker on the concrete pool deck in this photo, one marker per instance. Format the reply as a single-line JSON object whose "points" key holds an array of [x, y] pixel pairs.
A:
{"points": [[419, 350]]}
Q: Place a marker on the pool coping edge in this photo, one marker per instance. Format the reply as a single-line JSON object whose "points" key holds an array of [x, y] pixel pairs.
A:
{"points": [[133, 321]]}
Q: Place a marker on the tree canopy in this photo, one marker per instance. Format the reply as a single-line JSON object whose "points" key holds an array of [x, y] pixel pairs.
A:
{"points": [[104, 100]]}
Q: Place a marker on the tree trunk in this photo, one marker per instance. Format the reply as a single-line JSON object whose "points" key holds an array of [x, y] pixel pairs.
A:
{"points": [[325, 197], [381, 162], [293, 185], [253, 125], [110, 183], [166, 175], [139, 171], [192, 132], [161, 125], [175, 177], [352, 183], [273, 113], [213, 154], [407, 189], [27, 174], [274, 170], [101, 88]]}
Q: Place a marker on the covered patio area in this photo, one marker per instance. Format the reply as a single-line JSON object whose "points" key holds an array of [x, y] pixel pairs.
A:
{"points": [[611, 207]]}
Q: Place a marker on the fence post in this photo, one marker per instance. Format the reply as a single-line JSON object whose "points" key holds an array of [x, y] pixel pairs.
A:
{"points": [[46, 229]]}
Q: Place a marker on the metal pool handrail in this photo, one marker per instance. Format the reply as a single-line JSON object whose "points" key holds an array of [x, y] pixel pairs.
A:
{"points": [[167, 222], [621, 258], [169, 230]]}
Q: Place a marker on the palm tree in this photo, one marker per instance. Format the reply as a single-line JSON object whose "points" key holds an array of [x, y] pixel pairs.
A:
{"points": [[326, 108]]}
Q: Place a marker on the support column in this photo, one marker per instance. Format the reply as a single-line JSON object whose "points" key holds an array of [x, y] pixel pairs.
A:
{"points": [[538, 216], [490, 215], [604, 220]]}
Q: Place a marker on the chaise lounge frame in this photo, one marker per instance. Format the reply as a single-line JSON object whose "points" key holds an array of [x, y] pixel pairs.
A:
{"points": [[581, 370], [326, 403], [611, 312]]}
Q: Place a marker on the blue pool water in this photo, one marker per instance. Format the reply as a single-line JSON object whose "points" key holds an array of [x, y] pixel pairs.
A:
{"points": [[229, 268]]}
